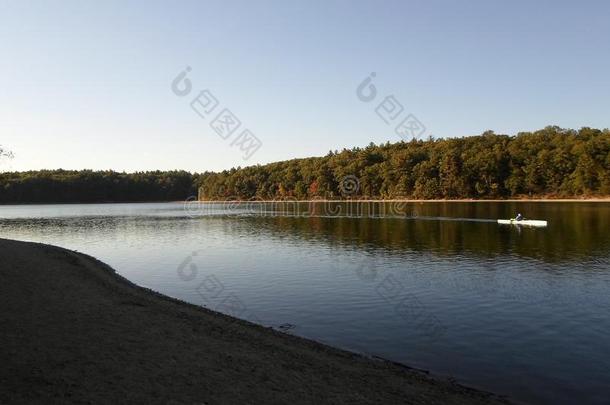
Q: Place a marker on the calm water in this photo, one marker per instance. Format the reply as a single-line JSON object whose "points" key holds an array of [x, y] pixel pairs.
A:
{"points": [[518, 311]]}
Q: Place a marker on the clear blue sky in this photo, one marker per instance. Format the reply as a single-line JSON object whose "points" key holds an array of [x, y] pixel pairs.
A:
{"points": [[86, 84]]}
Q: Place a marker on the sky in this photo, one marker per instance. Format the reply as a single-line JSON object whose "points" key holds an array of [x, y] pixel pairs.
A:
{"points": [[89, 85]]}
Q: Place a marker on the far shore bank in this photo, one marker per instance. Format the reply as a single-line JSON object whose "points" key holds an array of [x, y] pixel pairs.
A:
{"points": [[288, 200], [600, 199], [75, 331]]}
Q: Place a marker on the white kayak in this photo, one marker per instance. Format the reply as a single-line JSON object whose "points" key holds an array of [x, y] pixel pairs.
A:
{"points": [[528, 222]]}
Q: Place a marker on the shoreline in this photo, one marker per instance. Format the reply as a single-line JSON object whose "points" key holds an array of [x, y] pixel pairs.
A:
{"points": [[74, 330], [601, 199], [397, 200]]}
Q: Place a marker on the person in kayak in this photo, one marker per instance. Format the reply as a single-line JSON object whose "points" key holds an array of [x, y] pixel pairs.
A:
{"points": [[519, 217]]}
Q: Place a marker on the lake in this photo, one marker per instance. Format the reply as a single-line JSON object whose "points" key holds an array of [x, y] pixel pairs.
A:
{"points": [[435, 285]]}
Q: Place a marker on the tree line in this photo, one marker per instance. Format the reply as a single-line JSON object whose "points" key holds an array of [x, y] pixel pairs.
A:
{"points": [[550, 162], [87, 186]]}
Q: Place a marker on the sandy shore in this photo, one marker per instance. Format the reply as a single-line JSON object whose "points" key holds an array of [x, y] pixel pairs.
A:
{"points": [[72, 330]]}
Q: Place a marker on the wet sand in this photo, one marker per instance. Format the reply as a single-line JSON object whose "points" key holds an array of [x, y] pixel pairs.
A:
{"points": [[74, 331]]}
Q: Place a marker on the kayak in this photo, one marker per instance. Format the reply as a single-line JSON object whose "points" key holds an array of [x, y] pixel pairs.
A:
{"points": [[528, 222]]}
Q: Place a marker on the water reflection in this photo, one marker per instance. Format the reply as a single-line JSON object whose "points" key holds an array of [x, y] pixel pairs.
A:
{"points": [[575, 230]]}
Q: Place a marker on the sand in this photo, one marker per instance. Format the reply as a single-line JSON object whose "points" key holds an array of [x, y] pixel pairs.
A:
{"points": [[73, 331]]}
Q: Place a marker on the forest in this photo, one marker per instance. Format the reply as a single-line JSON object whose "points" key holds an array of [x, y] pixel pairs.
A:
{"points": [[552, 162], [86, 186]]}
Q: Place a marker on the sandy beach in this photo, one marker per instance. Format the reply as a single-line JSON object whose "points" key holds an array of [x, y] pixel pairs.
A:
{"points": [[75, 331]]}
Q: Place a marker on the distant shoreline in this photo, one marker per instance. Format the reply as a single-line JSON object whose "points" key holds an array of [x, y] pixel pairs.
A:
{"points": [[88, 203], [458, 200], [593, 199], [78, 332]]}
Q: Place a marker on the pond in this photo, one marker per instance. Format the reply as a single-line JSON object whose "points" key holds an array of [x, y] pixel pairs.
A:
{"points": [[440, 286]]}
